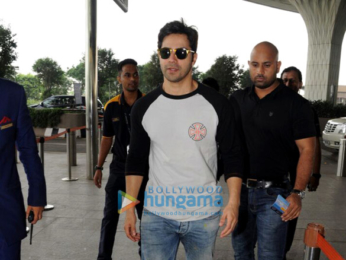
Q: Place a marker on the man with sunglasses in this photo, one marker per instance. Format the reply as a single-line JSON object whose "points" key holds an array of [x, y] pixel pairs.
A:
{"points": [[177, 127], [275, 121], [117, 124], [292, 78]]}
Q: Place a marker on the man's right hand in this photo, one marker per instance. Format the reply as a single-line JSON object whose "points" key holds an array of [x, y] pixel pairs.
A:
{"points": [[294, 209], [130, 226], [98, 178]]}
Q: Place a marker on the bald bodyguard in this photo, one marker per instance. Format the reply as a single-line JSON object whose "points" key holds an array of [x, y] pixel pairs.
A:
{"points": [[275, 121]]}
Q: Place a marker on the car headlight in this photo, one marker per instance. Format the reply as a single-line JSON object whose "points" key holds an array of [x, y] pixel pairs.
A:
{"points": [[342, 129]]}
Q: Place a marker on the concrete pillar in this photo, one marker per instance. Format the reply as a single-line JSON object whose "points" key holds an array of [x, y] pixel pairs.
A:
{"points": [[326, 25]]}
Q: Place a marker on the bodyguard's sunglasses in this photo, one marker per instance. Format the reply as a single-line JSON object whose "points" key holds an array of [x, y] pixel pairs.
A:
{"points": [[180, 53]]}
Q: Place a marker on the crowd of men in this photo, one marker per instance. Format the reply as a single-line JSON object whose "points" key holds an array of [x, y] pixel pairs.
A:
{"points": [[170, 147]]}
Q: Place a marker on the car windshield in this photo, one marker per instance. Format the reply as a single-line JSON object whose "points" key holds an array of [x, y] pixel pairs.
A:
{"points": [[48, 101]]}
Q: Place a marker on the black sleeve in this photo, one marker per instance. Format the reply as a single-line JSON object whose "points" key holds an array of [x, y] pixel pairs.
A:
{"points": [[137, 159], [108, 130], [303, 120], [229, 142], [241, 135]]}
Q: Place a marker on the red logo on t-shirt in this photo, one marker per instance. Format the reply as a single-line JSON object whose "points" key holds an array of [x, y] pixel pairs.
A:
{"points": [[197, 131]]}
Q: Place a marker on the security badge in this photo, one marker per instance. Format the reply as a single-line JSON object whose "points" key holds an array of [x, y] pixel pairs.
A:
{"points": [[5, 123]]}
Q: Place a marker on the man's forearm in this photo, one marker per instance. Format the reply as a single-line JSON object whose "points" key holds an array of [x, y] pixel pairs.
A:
{"points": [[106, 144], [234, 188], [133, 184], [304, 169]]}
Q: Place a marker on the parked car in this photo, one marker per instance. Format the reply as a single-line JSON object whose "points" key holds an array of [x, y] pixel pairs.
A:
{"points": [[334, 131], [66, 101]]}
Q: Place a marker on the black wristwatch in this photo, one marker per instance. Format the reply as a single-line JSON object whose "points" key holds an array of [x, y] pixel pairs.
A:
{"points": [[300, 193], [98, 168], [316, 175]]}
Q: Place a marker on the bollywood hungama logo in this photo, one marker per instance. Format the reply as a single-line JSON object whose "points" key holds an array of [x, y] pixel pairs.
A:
{"points": [[197, 131], [128, 202], [183, 197]]}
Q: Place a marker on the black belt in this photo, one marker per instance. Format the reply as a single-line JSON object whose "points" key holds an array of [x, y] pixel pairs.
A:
{"points": [[263, 184]]}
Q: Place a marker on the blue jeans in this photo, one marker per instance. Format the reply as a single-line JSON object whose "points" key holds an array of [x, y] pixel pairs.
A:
{"points": [[259, 223], [160, 237]]}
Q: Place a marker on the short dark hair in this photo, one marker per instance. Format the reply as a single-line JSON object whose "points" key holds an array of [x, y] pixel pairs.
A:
{"points": [[179, 27], [289, 69], [126, 62], [211, 82]]}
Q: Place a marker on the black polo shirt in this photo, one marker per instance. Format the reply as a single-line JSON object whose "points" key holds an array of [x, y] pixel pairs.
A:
{"points": [[117, 123], [271, 125]]}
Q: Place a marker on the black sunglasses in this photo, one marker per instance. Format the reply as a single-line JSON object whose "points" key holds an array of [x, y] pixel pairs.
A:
{"points": [[180, 53]]}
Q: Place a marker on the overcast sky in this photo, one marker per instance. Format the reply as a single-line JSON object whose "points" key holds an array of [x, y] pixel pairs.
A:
{"points": [[57, 29]]}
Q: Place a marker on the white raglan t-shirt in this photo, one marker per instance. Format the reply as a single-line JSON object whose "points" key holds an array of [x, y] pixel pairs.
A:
{"points": [[179, 136]]}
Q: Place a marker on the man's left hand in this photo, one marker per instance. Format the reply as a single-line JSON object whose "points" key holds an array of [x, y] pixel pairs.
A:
{"points": [[230, 216], [294, 208], [313, 183], [37, 212]]}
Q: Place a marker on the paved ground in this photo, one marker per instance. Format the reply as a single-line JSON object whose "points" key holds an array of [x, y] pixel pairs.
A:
{"points": [[71, 230]]}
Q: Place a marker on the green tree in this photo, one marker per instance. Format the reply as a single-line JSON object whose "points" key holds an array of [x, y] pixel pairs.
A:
{"points": [[196, 74], [245, 80], [78, 73], [51, 76], [107, 74], [150, 74], [227, 72], [32, 85], [7, 53]]}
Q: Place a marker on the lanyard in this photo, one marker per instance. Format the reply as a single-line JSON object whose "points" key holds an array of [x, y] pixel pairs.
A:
{"points": [[127, 116], [127, 121]]}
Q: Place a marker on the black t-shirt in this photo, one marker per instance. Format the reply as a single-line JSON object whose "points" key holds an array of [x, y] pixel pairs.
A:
{"points": [[271, 125], [117, 123]]}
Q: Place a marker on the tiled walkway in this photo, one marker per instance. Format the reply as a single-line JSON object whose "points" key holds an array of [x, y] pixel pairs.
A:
{"points": [[72, 229]]}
